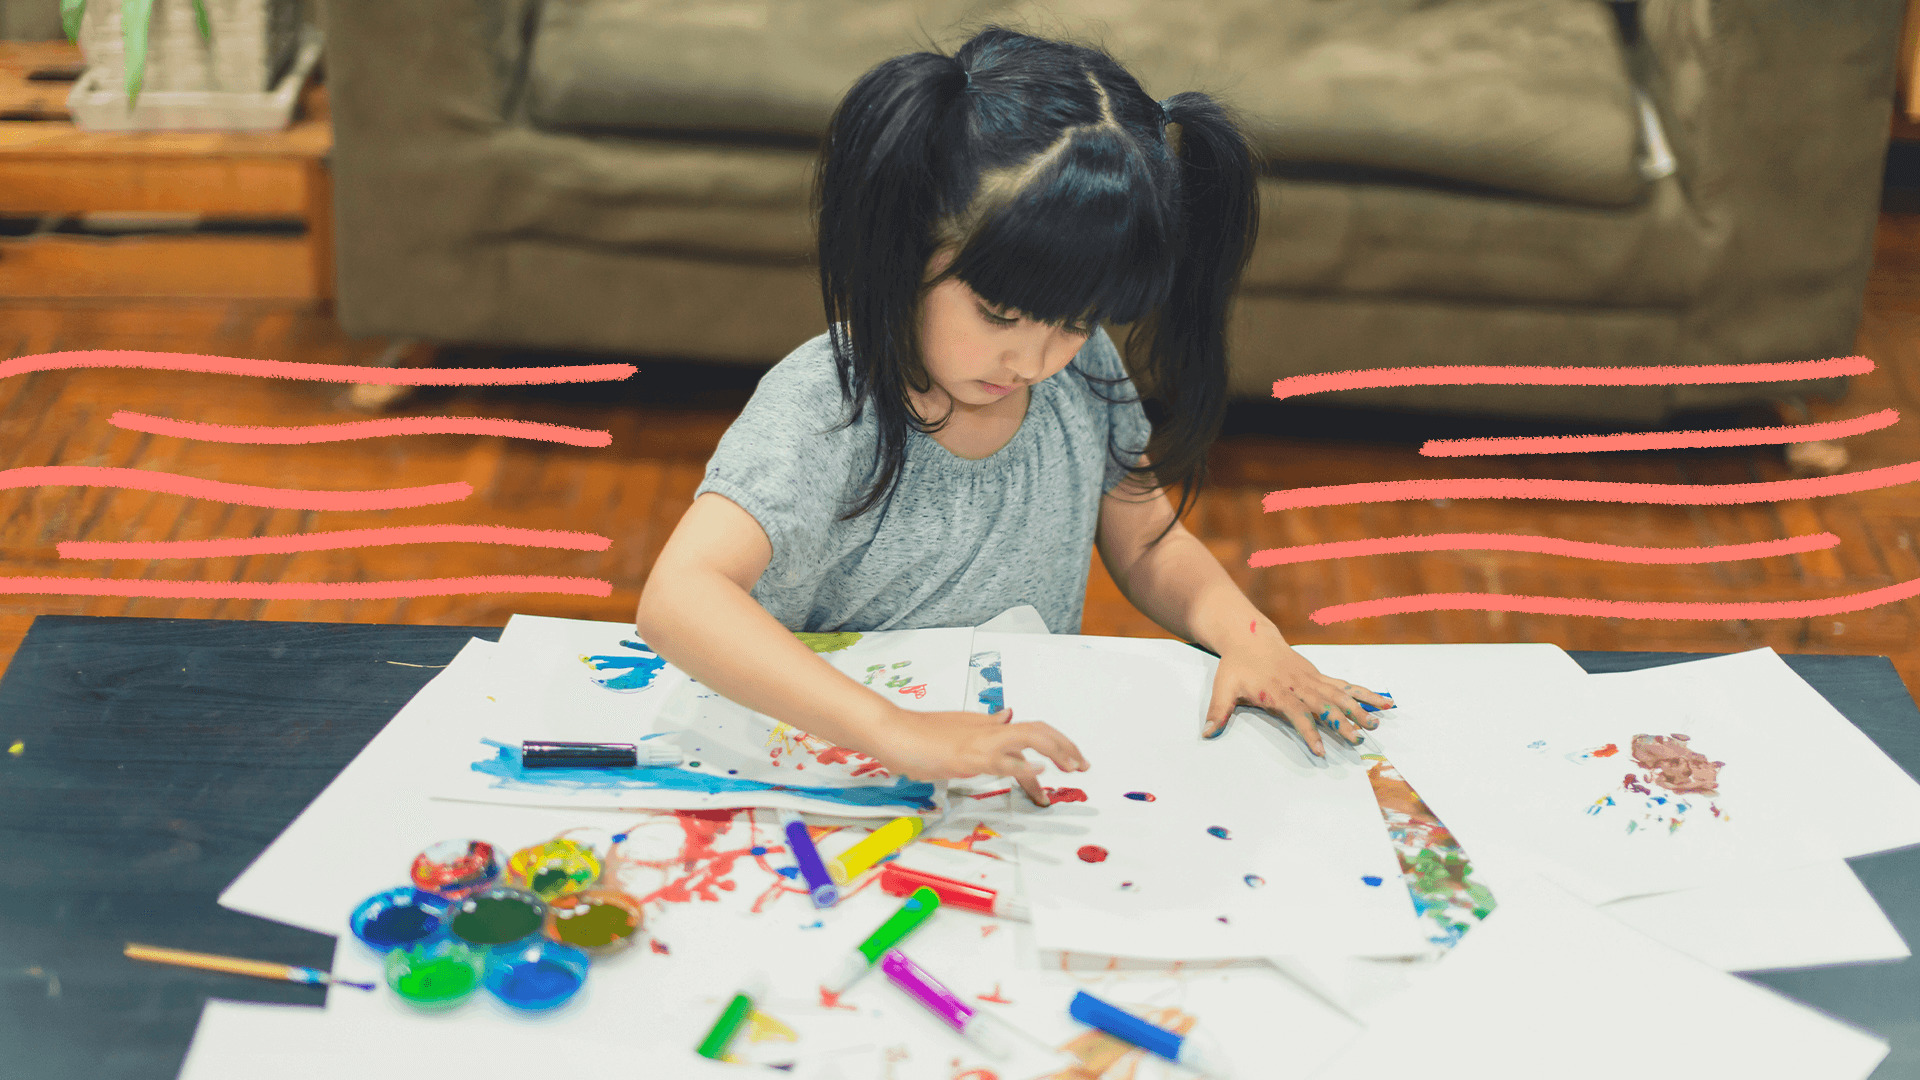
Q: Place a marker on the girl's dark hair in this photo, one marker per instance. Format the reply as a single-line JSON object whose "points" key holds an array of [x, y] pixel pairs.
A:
{"points": [[1050, 174]]}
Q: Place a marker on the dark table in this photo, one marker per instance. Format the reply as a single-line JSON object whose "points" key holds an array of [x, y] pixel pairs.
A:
{"points": [[157, 757]]}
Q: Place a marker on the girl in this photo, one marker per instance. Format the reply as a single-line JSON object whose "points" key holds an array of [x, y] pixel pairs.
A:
{"points": [[926, 463]]}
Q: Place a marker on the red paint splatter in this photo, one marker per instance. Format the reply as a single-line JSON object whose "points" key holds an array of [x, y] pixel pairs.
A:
{"points": [[703, 872], [1253, 626], [1092, 853], [1607, 751], [977, 1074], [840, 755], [660, 947], [987, 930], [979, 834], [994, 997], [831, 1000], [991, 794], [919, 691], [1263, 697], [1065, 794]]}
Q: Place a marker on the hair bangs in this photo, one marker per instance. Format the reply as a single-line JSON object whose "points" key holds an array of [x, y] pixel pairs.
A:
{"points": [[1086, 240]]}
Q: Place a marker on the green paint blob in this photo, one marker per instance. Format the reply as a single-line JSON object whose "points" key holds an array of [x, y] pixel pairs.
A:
{"points": [[438, 981], [596, 925], [826, 643], [551, 881], [496, 920]]}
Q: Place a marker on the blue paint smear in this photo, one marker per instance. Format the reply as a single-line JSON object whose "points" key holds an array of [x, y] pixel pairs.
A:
{"points": [[789, 871], [1215, 830], [505, 767], [631, 673], [1371, 879], [757, 851]]}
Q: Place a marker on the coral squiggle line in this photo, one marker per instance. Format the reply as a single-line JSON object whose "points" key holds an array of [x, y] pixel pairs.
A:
{"points": [[1543, 545], [331, 541], [1540, 375], [1659, 440], [288, 369], [302, 590], [1592, 490], [358, 429], [167, 483], [1676, 610]]}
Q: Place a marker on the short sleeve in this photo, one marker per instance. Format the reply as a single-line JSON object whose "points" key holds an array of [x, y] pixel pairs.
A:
{"points": [[1127, 426], [789, 461]]}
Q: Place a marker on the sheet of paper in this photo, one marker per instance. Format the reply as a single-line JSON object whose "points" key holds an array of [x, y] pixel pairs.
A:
{"points": [[1174, 847], [1548, 986], [551, 680], [1654, 780]]}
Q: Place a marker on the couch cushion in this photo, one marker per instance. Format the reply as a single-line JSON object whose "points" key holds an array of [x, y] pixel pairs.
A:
{"points": [[1528, 96]]}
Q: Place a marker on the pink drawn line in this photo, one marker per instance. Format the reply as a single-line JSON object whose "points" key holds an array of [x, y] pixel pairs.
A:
{"points": [[244, 494], [1674, 610], [1660, 440], [359, 429], [301, 590], [331, 541], [1537, 375], [1592, 490], [1544, 545], [286, 369]]}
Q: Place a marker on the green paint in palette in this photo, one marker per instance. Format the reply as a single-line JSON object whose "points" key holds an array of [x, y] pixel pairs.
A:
{"points": [[437, 981], [498, 916]]}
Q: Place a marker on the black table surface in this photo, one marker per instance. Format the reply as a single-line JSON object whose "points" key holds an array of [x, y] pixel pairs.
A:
{"points": [[150, 760]]}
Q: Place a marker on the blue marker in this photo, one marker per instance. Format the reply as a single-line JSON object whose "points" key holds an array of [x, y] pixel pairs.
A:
{"points": [[1121, 1024], [800, 842]]}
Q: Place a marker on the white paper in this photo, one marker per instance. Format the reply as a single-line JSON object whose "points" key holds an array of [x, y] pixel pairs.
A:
{"points": [[1248, 846], [1547, 986], [1556, 785]]}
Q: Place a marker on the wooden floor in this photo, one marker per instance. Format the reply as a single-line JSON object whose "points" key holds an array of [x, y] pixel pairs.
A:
{"points": [[667, 419]]}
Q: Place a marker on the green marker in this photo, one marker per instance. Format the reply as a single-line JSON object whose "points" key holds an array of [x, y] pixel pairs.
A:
{"points": [[919, 905], [731, 1018]]}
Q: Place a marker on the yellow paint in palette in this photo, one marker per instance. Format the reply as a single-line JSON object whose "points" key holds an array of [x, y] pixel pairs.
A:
{"points": [[554, 869], [879, 844]]}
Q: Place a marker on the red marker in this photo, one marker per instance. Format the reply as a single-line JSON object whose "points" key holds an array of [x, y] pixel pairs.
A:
{"points": [[902, 880]]}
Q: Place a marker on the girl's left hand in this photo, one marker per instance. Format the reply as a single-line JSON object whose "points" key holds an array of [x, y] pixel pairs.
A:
{"points": [[1272, 676]]}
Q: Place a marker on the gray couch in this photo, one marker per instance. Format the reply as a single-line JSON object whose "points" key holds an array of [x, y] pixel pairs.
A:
{"points": [[1462, 181]]}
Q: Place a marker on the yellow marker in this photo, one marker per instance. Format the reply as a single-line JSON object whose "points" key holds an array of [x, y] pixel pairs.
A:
{"points": [[19, 747], [879, 844]]}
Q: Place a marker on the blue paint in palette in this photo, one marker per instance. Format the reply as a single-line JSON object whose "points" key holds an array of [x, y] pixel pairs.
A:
{"points": [[506, 769], [537, 976]]}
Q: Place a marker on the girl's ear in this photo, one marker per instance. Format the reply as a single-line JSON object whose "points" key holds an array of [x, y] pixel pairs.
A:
{"points": [[1185, 341]]}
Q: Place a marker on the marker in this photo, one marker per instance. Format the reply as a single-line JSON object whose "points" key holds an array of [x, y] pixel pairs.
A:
{"points": [[591, 755], [879, 844], [820, 885], [233, 965], [978, 1027], [1123, 1025], [901, 880], [731, 1019], [918, 908]]}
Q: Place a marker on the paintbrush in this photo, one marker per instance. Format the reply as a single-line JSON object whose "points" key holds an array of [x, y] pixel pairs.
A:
{"points": [[233, 965]]}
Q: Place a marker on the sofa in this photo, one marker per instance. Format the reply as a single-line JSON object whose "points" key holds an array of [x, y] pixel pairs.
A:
{"points": [[1562, 182]]}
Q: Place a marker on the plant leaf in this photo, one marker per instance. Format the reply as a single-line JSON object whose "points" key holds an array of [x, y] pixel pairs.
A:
{"points": [[134, 17], [70, 12], [200, 17]]}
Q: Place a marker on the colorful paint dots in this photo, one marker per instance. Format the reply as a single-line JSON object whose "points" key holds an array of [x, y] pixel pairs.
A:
{"points": [[1140, 796], [398, 918], [455, 869], [537, 976], [1372, 879], [1219, 831], [1092, 853], [1128, 886], [1254, 881], [554, 869]]}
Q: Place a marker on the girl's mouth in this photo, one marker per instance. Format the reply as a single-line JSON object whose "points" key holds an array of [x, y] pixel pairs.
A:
{"points": [[996, 389]]}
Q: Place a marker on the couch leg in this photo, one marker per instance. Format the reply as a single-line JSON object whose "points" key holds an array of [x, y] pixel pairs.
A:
{"points": [[1823, 457], [400, 352]]}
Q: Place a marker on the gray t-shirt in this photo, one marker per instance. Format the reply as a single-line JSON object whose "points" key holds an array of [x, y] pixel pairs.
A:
{"points": [[959, 541]]}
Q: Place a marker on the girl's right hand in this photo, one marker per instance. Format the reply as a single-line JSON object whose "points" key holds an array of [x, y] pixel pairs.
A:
{"points": [[952, 745]]}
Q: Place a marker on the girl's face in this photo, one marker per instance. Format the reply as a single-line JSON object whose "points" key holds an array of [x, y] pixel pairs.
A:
{"points": [[984, 358]]}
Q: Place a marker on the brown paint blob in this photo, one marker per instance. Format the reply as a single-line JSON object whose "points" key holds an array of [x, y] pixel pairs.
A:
{"points": [[1092, 853], [1675, 766]]}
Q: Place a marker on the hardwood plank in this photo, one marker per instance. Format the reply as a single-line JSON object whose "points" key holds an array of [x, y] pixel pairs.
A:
{"points": [[54, 182], [195, 266]]}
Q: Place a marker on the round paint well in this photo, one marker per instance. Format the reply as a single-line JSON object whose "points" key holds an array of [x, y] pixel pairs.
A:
{"points": [[600, 921], [554, 869], [398, 918], [456, 869], [435, 974], [537, 975], [498, 917]]}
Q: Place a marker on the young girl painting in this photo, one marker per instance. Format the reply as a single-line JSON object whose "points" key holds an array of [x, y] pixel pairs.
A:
{"points": [[965, 434]]}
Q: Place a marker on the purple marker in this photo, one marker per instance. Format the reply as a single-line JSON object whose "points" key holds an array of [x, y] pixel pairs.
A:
{"points": [[820, 884], [978, 1027]]}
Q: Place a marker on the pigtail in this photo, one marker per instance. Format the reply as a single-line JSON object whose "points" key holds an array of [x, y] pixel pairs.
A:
{"points": [[1183, 344], [876, 195]]}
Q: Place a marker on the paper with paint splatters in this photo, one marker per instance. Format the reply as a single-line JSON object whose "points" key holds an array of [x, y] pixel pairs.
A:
{"points": [[566, 680], [1173, 847]]}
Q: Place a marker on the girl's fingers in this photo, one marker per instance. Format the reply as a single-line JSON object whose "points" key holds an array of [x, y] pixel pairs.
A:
{"points": [[1028, 777], [1341, 722], [1303, 723], [1219, 710], [1056, 747]]}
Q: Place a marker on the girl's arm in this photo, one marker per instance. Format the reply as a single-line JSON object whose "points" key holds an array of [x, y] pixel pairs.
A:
{"points": [[697, 612], [1180, 585]]}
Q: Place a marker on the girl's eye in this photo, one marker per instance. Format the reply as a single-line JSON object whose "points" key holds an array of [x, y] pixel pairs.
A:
{"points": [[997, 320], [1078, 331]]}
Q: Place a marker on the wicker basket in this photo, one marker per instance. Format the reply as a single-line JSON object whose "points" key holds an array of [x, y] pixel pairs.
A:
{"points": [[253, 43]]}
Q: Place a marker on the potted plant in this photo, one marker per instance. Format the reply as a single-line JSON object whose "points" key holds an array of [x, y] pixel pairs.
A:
{"points": [[186, 63]]}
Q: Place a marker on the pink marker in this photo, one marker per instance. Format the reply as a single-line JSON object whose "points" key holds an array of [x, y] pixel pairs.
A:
{"points": [[978, 1027]]}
